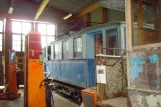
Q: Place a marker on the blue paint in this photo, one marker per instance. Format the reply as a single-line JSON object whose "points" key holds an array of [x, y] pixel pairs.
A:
{"points": [[91, 73], [135, 66], [153, 59], [75, 72]]}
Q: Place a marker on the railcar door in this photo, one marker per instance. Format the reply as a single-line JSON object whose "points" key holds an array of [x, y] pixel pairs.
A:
{"points": [[98, 43]]}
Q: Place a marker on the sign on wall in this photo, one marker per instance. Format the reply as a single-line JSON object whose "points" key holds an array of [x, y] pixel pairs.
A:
{"points": [[101, 74]]}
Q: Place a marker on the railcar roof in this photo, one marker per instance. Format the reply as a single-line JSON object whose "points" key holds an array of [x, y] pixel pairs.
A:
{"points": [[87, 29]]}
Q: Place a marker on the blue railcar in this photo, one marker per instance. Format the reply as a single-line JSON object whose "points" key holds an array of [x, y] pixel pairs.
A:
{"points": [[71, 60]]}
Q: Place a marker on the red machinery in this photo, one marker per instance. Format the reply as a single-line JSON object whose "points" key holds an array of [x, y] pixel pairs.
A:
{"points": [[10, 92]]}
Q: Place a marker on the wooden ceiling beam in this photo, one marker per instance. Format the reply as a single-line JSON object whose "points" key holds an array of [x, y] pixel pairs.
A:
{"points": [[51, 9], [88, 10], [26, 17]]}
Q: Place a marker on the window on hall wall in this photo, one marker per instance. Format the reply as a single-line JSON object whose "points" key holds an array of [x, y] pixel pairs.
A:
{"points": [[1, 34], [19, 30], [78, 47], [47, 33]]}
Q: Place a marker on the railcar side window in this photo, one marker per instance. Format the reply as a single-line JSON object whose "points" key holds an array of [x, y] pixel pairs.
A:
{"points": [[112, 41], [49, 52], [56, 52], [65, 50], [77, 47]]}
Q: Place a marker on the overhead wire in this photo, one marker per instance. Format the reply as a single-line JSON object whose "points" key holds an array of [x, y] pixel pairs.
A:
{"points": [[12, 3], [79, 6]]}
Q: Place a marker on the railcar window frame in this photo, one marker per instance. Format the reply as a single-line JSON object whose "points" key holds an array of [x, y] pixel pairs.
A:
{"points": [[76, 47]]}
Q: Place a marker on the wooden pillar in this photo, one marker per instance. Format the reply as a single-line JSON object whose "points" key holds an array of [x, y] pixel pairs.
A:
{"points": [[129, 23], [129, 36], [7, 45], [88, 19], [104, 15]]}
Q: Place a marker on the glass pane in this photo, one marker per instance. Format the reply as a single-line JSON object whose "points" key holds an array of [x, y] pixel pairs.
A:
{"points": [[42, 28], [14, 43], [1, 26], [43, 41], [75, 45], [50, 39], [23, 37], [79, 44], [50, 29], [23, 49], [146, 28], [56, 51], [0, 41], [0, 36], [0, 48], [18, 43], [26, 27], [18, 48], [16, 37], [65, 50], [16, 27]]}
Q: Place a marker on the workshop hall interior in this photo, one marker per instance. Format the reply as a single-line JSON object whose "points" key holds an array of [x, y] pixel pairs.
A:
{"points": [[80, 53]]}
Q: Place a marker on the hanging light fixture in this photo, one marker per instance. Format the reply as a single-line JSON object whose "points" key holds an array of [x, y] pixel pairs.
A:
{"points": [[68, 16], [10, 11]]}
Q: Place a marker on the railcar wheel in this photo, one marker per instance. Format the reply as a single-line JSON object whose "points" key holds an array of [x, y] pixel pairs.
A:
{"points": [[11, 96]]}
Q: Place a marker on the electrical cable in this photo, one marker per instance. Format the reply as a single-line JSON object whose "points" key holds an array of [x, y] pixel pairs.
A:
{"points": [[12, 3]]}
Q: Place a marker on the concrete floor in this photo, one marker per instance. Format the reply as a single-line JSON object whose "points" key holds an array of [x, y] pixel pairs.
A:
{"points": [[14, 103], [59, 100]]}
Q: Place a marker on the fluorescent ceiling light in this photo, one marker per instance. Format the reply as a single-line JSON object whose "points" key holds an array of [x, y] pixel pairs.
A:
{"points": [[41, 8], [68, 16]]}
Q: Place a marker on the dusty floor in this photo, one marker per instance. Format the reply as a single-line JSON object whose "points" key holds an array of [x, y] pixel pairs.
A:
{"points": [[59, 101]]}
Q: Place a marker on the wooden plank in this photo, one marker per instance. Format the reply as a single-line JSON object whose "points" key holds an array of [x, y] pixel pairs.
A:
{"points": [[50, 9], [88, 19], [27, 17], [104, 15], [88, 10], [145, 90], [129, 24], [114, 102]]}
